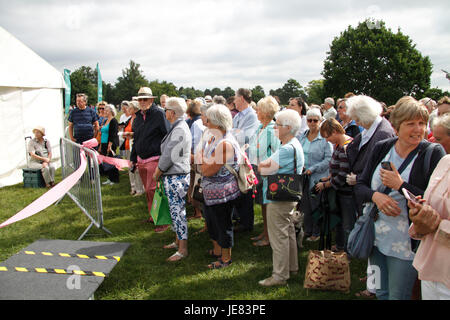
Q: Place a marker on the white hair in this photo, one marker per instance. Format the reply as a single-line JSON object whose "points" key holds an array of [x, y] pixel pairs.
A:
{"points": [[112, 108], [443, 121], [314, 112], [329, 101], [178, 105], [428, 102], [364, 109], [290, 118], [219, 115]]}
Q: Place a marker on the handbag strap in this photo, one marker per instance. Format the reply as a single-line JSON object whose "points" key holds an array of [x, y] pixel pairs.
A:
{"points": [[295, 159], [404, 164]]}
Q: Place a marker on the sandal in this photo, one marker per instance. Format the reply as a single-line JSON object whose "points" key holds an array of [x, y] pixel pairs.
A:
{"points": [[177, 256], [257, 238], [173, 245], [365, 294], [211, 254], [219, 264], [261, 243]]}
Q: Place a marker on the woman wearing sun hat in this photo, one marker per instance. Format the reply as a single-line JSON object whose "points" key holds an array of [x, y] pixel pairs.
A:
{"points": [[40, 153]]}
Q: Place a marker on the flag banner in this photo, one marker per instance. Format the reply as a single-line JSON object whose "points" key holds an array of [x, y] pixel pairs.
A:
{"points": [[67, 91], [99, 85]]}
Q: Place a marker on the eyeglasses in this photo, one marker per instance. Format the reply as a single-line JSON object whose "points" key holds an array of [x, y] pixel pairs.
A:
{"points": [[101, 108], [143, 99], [313, 120], [280, 125]]}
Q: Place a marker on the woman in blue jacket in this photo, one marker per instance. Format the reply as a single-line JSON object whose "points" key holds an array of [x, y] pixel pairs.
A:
{"points": [[317, 153]]}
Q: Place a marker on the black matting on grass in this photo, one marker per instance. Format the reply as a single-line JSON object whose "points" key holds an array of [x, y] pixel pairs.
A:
{"points": [[51, 286]]}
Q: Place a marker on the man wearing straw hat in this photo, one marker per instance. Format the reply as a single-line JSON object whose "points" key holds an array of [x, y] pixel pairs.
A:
{"points": [[40, 153], [149, 128]]}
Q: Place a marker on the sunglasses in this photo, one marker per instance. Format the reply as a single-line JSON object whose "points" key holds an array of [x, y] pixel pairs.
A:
{"points": [[143, 99], [313, 120], [101, 108]]}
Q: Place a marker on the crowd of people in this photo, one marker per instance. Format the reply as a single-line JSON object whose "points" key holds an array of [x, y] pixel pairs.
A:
{"points": [[365, 151]]}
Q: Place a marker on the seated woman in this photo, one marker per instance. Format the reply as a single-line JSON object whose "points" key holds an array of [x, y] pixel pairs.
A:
{"points": [[279, 220], [404, 166], [40, 153], [174, 167]]}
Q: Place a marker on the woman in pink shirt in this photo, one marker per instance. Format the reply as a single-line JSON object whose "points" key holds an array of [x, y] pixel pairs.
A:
{"points": [[431, 225]]}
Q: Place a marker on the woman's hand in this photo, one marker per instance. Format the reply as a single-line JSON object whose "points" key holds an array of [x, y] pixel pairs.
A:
{"points": [[321, 186], [425, 219], [386, 204], [157, 174], [308, 172], [391, 179]]}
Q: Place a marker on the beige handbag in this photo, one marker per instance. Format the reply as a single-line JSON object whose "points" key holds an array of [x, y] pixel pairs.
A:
{"points": [[327, 270]]}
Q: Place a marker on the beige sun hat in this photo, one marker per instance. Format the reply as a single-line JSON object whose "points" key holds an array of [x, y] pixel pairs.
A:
{"points": [[145, 92], [39, 128]]}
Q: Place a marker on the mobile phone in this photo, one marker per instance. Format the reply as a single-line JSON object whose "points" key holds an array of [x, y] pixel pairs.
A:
{"points": [[386, 165], [409, 196]]}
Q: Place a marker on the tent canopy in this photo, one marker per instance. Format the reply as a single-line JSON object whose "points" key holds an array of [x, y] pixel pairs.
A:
{"points": [[22, 67]]}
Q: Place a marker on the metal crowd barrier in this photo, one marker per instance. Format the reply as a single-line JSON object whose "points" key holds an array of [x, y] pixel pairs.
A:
{"points": [[86, 193]]}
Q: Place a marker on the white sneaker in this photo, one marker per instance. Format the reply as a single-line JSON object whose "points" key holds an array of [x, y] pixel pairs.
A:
{"points": [[107, 182]]}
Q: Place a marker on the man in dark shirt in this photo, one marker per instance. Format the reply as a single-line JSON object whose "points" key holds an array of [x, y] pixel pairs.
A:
{"points": [[149, 128], [83, 121]]}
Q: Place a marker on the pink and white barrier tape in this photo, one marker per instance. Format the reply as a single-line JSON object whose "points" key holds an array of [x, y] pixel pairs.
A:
{"points": [[58, 191]]}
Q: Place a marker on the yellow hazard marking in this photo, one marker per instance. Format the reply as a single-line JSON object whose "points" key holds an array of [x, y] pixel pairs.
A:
{"points": [[3, 269], [66, 255], [117, 258], [82, 256], [41, 270], [20, 269], [79, 272], [30, 252], [47, 253], [60, 271], [101, 257], [99, 274]]}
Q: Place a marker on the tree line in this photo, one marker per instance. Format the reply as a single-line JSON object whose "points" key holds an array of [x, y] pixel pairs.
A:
{"points": [[363, 60]]}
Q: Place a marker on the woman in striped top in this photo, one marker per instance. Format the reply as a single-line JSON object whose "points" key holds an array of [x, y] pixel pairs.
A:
{"points": [[334, 133]]}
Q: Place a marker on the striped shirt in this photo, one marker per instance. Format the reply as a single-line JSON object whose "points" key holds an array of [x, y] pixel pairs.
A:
{"points": [[340, 167]]}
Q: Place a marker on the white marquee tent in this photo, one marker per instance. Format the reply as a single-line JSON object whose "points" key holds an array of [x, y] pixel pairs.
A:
{"points": [[31, 94]]}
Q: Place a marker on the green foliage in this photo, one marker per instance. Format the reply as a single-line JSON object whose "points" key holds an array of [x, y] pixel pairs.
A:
{"points": [[435, 93], [291, 89], [84, 80], [258, 93], [375, 62], [127, 85], [316, 92]]}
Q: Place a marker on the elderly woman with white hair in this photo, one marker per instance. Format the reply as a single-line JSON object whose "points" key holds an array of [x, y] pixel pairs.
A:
{"points": [[109, 143], [262, 145], [174, 167], [279, 221], [317, 152], [441, 131], [220, 187]]}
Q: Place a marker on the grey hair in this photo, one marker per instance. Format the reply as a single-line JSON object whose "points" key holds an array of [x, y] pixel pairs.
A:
{"points": [[178, 105], [112, 109], [219, 115], [329, 100], [314, 112], [290, 118], [428, 102], [205, 107], [363, 108], [443, 121], [219, 100]]}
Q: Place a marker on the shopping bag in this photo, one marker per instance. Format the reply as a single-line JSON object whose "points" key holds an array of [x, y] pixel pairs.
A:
{"points": [[160, 211], [327, 270]]}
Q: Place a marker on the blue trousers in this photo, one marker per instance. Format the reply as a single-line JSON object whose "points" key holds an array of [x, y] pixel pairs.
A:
{"points": [[397, 276]]}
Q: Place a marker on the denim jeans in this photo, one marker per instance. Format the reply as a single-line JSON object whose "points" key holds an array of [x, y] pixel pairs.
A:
{"points": [[397, 276]]}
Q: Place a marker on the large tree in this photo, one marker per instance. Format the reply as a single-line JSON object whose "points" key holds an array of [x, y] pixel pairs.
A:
{"points": [[84, 80], [258, 93], [316, 92], [372, 60], [127, 85]]}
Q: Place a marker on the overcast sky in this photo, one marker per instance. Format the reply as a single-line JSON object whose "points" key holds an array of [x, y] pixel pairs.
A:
{"points": [[206, 44]]}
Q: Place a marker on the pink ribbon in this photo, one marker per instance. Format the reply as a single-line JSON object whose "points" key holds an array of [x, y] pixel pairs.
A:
{"points": [[51, 196], [118, 163]]}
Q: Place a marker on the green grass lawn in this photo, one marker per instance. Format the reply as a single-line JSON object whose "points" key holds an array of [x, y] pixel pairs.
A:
{"points": [[143, 272]]}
